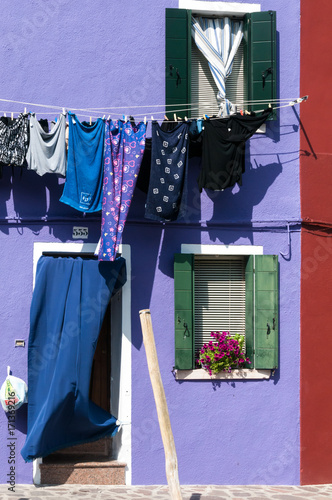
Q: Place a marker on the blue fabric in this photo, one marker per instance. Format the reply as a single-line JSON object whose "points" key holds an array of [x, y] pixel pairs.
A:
{"points": [[67, 310], [83, 189], [167, 195]]}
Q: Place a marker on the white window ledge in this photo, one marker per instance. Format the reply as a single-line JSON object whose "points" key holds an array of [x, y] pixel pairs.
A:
{"points": [[240, 374]]}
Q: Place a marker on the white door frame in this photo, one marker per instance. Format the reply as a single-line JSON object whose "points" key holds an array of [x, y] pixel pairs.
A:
{"points": [[123, 445]]}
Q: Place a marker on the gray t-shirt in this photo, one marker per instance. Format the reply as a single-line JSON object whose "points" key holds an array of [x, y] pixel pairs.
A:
{"points": [[47, 150]]}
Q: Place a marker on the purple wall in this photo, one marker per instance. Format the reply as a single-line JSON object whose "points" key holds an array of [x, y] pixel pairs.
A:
{"points": [[112, 54]]}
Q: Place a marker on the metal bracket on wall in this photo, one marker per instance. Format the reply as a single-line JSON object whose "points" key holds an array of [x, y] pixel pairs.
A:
{"points": [[19, 343], [287, 255]]}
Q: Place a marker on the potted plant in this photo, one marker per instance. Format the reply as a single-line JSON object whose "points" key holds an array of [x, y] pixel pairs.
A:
{"points": [[222, 353]]}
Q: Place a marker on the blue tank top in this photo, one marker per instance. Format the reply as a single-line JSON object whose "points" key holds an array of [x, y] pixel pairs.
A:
{"points": [[84, 182]]}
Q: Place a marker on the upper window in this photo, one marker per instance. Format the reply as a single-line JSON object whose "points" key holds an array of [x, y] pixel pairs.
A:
{"points": [[189, 82], [235, 293]]}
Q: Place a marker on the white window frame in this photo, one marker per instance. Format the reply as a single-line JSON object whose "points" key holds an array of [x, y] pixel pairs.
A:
{"points": [[123, 404], [220, 8], [241, 373]]}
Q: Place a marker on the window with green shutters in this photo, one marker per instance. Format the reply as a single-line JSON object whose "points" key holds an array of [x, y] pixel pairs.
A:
{"points": [[227, 293], [188, 77]]}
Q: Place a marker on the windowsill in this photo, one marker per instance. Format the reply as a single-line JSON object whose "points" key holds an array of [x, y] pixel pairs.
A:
{"points": [[244, 374]]}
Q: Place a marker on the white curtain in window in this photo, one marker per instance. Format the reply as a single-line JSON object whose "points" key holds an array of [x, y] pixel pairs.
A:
{"points": [[218, 40]]}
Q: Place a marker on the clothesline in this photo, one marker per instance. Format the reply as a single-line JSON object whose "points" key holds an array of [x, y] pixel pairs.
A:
{"points": [[102, 163], [190, 106]]}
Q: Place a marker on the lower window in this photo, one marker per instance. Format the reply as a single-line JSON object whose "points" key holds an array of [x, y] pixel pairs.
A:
{"points": [[233, 293]]}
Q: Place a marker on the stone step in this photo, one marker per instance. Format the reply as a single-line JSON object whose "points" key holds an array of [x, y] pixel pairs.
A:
{"points": [[102, 447], [88, 469]]}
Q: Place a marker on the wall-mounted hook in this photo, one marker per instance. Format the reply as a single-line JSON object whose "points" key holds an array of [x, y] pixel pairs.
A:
{"points": [[265, 73], [178, 77]]}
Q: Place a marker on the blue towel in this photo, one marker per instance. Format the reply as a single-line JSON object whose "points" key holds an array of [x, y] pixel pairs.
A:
{"points": [[83, 189], [67, 310]]}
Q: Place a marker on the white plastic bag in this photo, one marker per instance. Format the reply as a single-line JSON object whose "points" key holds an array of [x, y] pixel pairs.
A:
{"points": [[13, 392]]}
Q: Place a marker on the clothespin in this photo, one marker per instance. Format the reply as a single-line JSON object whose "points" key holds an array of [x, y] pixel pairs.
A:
{"points": [[64, 112], [25, 111], [4, 114], [166, 118], [241, 112], [269, 106], [179, 118], [104, 117], [90, 120], [125, 119], [175, 117], [144, 120], [185, 119], [12, 115], [109, 117], [247, 112], [152, 118]]}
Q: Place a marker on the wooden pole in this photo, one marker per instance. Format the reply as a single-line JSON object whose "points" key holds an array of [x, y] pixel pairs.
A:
{"points": [[161, 405]]}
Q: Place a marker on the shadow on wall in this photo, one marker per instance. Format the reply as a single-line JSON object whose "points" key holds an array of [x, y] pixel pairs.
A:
{"points": [[145, 249], [26, 195], [5, 190], [21, 419], [238, 203]]}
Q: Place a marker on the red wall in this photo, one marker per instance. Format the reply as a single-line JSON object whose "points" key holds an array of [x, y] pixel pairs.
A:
{"points": [[316, 206]]}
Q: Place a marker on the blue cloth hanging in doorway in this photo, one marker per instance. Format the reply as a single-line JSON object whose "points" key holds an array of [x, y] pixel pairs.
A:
{"points": [[67, 311]]}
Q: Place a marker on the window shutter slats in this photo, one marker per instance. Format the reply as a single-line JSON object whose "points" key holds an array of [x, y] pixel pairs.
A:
{"points": [[260, 55], [178, 60], [219, 303], [249, 274], [183, 299]]}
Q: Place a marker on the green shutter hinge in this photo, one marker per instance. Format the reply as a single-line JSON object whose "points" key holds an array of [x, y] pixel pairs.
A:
{"points": [[186, 331], [265, 74]]}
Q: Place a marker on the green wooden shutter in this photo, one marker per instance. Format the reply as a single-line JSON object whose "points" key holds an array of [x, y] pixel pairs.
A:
{"points": [[262, 311], [260, 43], [178, 61], [183, 306]]}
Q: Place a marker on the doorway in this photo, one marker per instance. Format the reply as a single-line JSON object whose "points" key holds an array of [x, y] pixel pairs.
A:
{"points": [[114, 347]]}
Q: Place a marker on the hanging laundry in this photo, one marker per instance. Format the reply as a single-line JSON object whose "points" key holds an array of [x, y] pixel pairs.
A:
{"points": [[84, 182], [64, 330], [166, 199], [195, 138], [47, 150], [43, 122], [124, 148], [223, 157], [143, 178], [14, 141]]}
